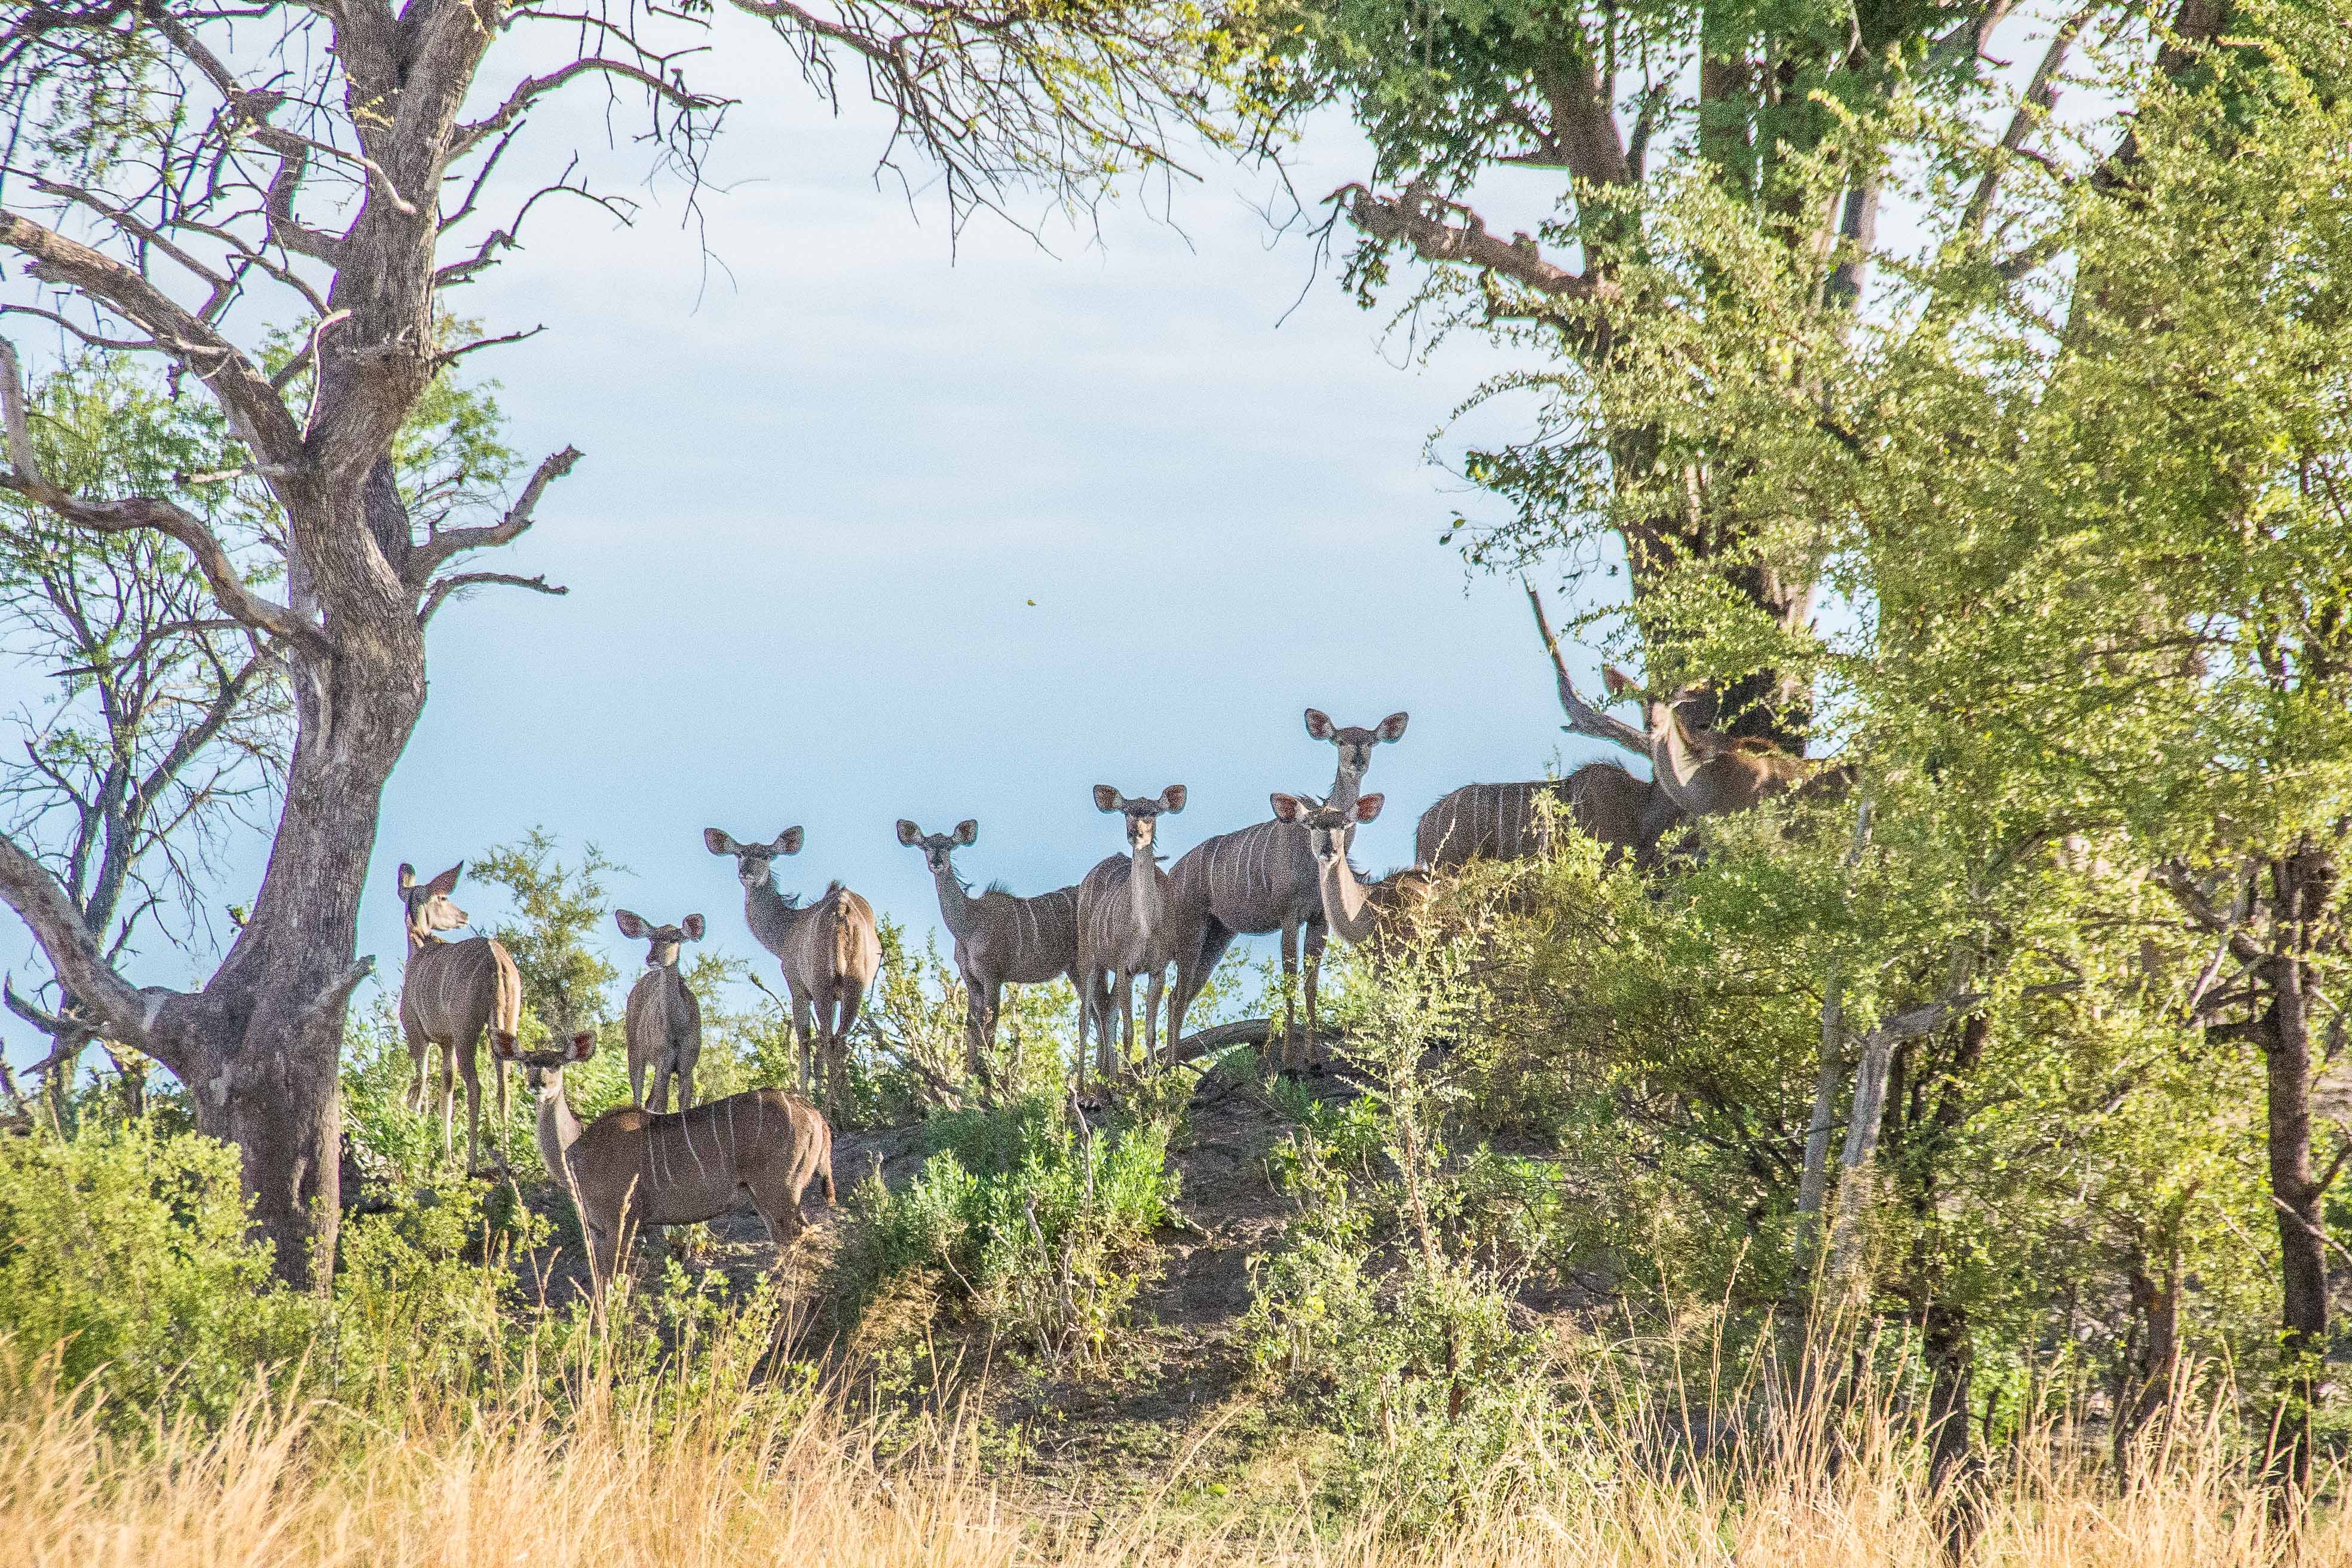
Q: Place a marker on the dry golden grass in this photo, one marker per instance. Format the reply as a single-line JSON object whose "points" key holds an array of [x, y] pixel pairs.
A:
{"points": [[680, 1481]]}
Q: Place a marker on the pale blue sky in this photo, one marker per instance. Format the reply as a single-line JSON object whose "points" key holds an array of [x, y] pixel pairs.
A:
{"points": [[825, 481]]}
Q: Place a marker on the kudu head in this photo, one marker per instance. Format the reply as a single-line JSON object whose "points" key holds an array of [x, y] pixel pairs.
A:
{"points": [[663, 941], [752, 860], [1142, 814], [428, 905], [1326, 824], [938, 846], [1355, 742], [543, 1069]]}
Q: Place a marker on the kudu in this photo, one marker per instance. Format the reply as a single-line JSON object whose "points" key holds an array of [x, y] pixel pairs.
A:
{"points": [[1263, 879], [1705, 772], [829, 950], [632, 1168], [449, 994], [1357, 913], [1125, 929], [664, 1021], [1511, 822], [999, 940]]}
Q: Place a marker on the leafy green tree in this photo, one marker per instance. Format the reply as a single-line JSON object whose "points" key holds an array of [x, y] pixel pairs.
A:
{"points": [[2079, 485]]}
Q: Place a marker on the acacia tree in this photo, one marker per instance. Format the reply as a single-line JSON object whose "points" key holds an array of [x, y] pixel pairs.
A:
{"points": [[340, 162]]}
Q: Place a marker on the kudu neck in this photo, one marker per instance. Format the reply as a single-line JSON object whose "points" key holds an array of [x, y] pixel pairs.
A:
{"points": [[559, 1129], [1346, 906], [955, 903]]}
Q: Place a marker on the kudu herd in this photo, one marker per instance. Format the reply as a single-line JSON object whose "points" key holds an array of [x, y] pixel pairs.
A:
{"points": [[1126, 919]]}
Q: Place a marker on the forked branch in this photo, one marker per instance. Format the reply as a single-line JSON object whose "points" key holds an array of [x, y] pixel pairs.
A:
{"points": [[429, 556], [1584, 718], [134, 513], [1420, 218]]}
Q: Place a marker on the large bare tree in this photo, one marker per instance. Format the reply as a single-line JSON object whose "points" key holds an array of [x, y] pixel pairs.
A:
{"points": [[182, 169]]}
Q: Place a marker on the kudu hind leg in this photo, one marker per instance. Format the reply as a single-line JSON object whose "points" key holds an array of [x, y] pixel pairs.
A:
{"points": [[470, 1065]]}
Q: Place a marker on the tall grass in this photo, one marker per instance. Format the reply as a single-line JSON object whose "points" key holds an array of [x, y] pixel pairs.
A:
{"points": [[723, 1471]]}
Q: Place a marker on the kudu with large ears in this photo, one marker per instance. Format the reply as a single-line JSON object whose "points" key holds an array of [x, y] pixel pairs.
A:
{"points": [[1124, 928], [1704, 771], [999, 940], [1357, 913], [631, 1168], [829, 950], [450, 993], [664, 1021], [1263, 879]]}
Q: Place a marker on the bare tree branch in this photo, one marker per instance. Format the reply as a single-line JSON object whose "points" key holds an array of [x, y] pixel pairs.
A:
{"points": [[1417, 216], [254, 409], [1583, 718], [124, 1011], [433, 551], [459, 582]]}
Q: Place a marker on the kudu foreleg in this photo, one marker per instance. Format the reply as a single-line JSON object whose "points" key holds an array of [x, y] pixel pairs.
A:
{"points": [[1293, 1057], [1316, 934]]}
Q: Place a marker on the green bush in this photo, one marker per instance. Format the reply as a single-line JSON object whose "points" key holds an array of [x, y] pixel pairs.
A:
{"points": [[124, 1252], [1035, 1226]]}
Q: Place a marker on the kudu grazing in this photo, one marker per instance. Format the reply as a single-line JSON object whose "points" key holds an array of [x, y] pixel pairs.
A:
{"points": [[1361, 914], [1263, 879], [1515, 821], [1000, 939], [829, 950], [1125, 929], [450, 993], [632, 1168], [664, 1021]]}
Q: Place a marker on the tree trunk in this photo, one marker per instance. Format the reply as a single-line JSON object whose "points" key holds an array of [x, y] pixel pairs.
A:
{"points": [[2295, 1193], [260, 1046], [1953, 1461], [2152, 1363]]}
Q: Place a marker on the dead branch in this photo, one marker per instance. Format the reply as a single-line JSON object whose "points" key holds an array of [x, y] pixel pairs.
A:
{"points": [[460, 580], [1583, 718], [440, 547]]}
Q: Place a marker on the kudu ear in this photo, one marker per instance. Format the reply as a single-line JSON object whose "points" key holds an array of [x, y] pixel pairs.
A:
{"points": [[1286, 807], [1392, 727], [446, 883], [718, 843], [1108, 799], [789, 841], [632, 926], [1615, 681], [1174, 798], [968, 831], [407, 878], [692, 926], [909, 834], [581, 1046], [503, 1045], [1368, 807], [1319, 725]]}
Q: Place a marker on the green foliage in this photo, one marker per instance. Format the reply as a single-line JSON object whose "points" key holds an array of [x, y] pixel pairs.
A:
{"points": [[125, 1249], [1041, 1229], [567, 983]]}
